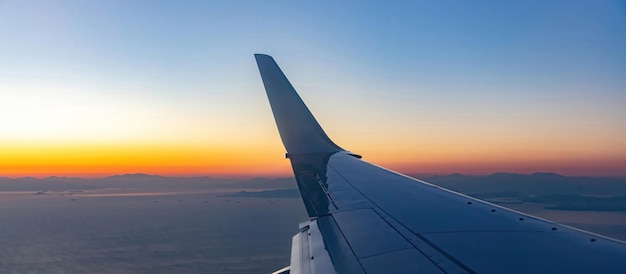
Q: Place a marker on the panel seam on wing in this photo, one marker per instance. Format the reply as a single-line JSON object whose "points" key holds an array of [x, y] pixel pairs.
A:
{"points": [[392, 251], [346, 241], [376, 209]]}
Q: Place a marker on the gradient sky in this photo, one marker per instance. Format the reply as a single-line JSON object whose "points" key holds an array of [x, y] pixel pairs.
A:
{"points": [[95, 88]]}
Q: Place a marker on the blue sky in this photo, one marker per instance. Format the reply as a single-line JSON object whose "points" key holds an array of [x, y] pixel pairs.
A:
{"points": [[411, 73]]}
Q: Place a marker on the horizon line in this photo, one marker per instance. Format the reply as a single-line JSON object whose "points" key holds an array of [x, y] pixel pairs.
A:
{"points": [[244, 176]]}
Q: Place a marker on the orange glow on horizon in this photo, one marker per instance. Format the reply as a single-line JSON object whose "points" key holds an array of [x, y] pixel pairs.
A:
{"points": [[257, 160], [99, 161]]}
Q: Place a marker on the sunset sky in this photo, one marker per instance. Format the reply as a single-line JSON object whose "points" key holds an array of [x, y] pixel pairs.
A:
{"points": [[97, 88]]}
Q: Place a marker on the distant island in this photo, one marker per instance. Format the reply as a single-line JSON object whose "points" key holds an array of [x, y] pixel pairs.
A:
{"points": [[276, 193], [552, 190]]}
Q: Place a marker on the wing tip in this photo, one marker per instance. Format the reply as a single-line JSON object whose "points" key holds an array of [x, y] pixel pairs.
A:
{"points": [[299, 131], [262, 55]]}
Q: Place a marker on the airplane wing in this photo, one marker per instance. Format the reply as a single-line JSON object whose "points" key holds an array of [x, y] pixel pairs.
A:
{"points": [[368, 219]]}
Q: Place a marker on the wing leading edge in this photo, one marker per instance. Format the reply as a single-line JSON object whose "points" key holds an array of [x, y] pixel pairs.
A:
{"points": [[367, 219]]}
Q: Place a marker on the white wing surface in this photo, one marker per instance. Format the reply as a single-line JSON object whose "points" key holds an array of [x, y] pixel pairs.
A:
{"points": [[367, 219]]}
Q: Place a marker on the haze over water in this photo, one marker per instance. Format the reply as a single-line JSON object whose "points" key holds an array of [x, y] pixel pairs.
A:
{"points": [[150, 224]]}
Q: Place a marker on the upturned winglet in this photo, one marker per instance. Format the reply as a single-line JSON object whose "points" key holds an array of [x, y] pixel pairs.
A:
{"points": [[299, 131]]}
